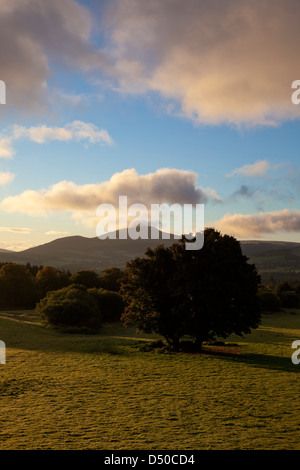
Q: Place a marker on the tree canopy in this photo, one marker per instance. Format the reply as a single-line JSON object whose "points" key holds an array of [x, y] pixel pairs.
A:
{"points": [[71, 306], [204, 293], [17, 287]]}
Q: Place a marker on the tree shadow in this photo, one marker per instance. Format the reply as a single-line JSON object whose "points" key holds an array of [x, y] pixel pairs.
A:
{"points": [[30, 336], [264, 361]]}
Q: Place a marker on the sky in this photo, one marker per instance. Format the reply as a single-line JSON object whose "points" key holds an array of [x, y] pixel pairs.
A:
{"points": [[161, 101]]}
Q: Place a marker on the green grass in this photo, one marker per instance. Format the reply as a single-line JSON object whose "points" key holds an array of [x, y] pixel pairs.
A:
{"points": [[60, 391]]}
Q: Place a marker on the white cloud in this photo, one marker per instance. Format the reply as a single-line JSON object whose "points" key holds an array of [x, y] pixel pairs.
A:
{"points": [[76, 130], [6, 150], [16, 230], [165, 185], [222, 62], [34, 33], [219, 62], [261, 224], [15, 245], [73, 131], [259, 168], [56, 232], [6, 177]]}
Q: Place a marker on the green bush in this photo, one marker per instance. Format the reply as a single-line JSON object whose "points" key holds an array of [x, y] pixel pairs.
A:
{"points": [[289, 299], [71, 306], [269, 302], [110, 304]]}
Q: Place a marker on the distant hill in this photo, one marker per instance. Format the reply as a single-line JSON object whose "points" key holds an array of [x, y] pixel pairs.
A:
{"points": [[76, 252], [280, 259]]}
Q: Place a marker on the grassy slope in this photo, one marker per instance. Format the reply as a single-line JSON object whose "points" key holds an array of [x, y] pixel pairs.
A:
{"points": [[62, 391]]}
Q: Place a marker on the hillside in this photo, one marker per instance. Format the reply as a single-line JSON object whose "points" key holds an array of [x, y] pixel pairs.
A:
{"points": [[77, 252], [281, 259]]}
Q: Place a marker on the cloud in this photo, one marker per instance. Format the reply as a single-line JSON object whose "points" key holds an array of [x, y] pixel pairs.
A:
{"points": [[244, 191], [35, 35], [55, 232], [259, 168], [6, 177], [165, 185], [222, 62], [261, 224], [6, 150], [212, 61], [15, 230], [76, 130]]}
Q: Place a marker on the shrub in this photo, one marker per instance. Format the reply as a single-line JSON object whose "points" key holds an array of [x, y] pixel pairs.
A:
{"points": [[110, 303], [71, 306], [289, 300], [283, 286], [269, 302]]}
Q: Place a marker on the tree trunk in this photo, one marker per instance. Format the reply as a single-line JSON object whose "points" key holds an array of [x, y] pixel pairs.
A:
{"points": [[198, 343], [174, 344]]}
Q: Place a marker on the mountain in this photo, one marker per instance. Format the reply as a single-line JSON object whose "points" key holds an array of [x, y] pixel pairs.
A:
{"points": [[77, 252], [280, 259]]}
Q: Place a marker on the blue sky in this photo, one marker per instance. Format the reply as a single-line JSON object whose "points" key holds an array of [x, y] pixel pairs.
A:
{"points": [[133, 99]]}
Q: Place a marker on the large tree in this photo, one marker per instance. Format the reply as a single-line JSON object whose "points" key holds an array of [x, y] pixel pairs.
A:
{"points": [[86, 278], [17, 287], [50, 278], [201, 293]]}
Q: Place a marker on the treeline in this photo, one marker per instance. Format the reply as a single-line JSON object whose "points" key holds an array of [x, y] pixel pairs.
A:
{"points": [[173, 292], [281, 294], [25, 286]]}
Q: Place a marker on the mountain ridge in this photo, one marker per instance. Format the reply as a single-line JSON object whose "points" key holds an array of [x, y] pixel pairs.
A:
{"points": [[78, 252]]}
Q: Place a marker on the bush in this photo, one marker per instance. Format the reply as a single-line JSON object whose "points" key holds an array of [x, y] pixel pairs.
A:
{"points": [[269, 302], [110, 303], [289, 300], [283, 286], [71, 306]]}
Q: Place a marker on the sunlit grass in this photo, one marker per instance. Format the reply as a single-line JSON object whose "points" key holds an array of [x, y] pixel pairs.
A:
{"points": [[61, 391]]}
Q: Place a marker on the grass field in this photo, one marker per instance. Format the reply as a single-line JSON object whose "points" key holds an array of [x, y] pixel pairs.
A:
{"points": [[62, 391]]}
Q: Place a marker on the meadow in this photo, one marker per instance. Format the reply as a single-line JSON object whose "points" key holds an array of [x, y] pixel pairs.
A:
{"points": [[75, 392]]}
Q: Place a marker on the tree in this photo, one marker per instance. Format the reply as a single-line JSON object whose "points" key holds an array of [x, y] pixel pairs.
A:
{"points": [[110, 279], [17, 287], [111, 304], [202, 293], [71, 306], [50, 278], [289, 299], [269, 301], [283, 286], [86, 278]]}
